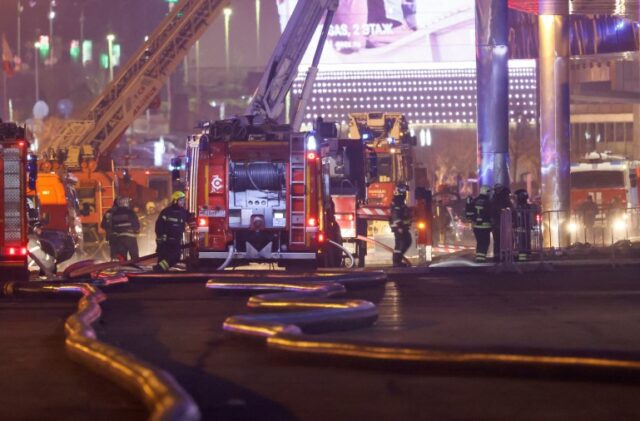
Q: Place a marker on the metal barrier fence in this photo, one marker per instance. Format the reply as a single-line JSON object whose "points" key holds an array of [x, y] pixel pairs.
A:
{"points": [[520, 235], [526, 232]]}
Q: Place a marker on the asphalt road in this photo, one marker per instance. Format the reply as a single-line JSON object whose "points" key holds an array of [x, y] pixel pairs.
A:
{"points": [[38, 381], [177, 326]]}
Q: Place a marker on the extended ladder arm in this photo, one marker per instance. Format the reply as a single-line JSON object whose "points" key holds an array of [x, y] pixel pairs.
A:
{"points": [[269, 99], [140, 81]]}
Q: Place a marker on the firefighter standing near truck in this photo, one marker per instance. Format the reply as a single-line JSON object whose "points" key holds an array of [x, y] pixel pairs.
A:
{"points": [[124, 229], [170, 227], [400, 222], [479, 212], [522, 223], [106, 226]]}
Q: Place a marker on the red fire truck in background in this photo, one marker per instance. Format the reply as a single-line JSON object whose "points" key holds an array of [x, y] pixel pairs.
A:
{"points": [[361, 173], [14, 179], [605, 178]]}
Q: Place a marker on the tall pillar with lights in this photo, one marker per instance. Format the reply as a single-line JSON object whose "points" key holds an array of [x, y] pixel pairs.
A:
{"points": [[555, 129], [492, 55]]}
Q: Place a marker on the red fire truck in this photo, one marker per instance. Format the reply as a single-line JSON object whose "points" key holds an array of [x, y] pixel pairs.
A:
{"points": [[13, 206], [255, 185], [362, 172], [605, 178], [256, 191]]}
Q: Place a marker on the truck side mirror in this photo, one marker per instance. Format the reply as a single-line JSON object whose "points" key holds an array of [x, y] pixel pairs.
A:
{"points": [[32, 171]]}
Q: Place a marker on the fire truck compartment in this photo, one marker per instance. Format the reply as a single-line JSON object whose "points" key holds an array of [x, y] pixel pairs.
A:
{"points": [[257, 196]]}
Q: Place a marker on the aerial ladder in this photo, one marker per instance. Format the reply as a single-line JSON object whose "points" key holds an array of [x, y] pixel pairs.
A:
{"points": [[83, 144], [141, 79]]}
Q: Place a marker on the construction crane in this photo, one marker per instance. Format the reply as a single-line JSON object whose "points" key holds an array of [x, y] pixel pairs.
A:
{"points": [[141, 79]]}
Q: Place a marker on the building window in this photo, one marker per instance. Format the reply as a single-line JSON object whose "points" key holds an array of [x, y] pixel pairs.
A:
{"points": [[619, 133], [628, 132]]}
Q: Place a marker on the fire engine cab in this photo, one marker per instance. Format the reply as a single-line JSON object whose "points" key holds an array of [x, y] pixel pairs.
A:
{"points": [[606, 178], [256, 191], [13, 205]]}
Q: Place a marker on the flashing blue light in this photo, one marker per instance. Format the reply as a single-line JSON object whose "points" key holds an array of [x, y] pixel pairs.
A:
{"points": [[312, 143], [365, 136], [620, 25]]}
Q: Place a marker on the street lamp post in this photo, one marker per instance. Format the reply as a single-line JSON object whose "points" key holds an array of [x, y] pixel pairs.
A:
{"points": [[258, 30], [36, 55], [227, 17], [110, 39], [52, 15], [20, 9]]}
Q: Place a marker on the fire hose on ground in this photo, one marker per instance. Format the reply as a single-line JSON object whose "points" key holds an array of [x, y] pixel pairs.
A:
{"points": [[349, 255], [162, 394], [384, 246]]}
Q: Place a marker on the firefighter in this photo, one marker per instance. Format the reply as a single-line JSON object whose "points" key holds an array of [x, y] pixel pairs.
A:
{"points": [[106, 226], [523, 222], [333, 254], [124, 229], [170, 227], [479, 210], [400, 222], [500, 200]]}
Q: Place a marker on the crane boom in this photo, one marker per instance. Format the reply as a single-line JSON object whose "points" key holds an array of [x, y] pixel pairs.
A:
{"points": [[269, 98], [141, 79]]}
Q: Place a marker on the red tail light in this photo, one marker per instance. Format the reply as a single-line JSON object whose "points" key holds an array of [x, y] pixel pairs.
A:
{"points": [[203, 222], [311, 156], [321, 237], [312, 222], [422, 225], [16, 251]]}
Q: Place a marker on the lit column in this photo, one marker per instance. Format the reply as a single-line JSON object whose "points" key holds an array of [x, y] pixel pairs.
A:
{"points": [[227, 17], [110, 39], [37, 58], [553, 85], [636, 132], [492, 55]]}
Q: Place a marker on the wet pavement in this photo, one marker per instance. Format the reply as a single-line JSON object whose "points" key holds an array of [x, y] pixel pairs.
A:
{"points": [[177, 325], [39, 381]]}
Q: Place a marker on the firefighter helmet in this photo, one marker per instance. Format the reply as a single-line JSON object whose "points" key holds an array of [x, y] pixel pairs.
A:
{"points": [[177, 195], [123, 201], [521, 195], [150, 207], [400, 190]]}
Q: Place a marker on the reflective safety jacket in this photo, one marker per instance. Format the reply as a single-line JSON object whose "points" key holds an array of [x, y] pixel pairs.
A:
{"points": [[400, 217], [124, 222], [481, 212], [469, 209], [171, 223]]}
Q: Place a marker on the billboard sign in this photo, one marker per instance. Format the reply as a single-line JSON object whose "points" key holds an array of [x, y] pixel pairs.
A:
{"points": [[395, 31]]}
